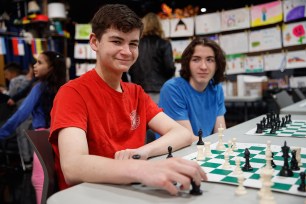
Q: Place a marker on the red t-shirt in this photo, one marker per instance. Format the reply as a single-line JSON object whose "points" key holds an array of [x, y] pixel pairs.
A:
{"points": [[112, 121]]}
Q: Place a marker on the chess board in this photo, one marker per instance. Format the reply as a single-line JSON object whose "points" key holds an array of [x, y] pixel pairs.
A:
{"points": [[295, 129], [213, 167]]}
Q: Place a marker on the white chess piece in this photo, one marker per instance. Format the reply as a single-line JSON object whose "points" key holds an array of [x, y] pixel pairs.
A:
{"points": [[229, 147], [207, 151], [268, 146], [200, 155], [237, 170], [298, 156], [240, 189], [265, 192], [226, 164], [220, 145], [234, 146], [268, 159]]}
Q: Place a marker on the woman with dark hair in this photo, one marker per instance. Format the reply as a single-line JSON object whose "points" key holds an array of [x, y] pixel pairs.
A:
{"points": [[50, 70], [196, 99]]}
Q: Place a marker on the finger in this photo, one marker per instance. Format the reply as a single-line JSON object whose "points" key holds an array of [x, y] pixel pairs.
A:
{"points": [[172, 189]]}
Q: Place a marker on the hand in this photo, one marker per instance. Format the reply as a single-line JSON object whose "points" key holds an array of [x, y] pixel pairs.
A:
{"points": [[128, 153], [11, 102], [164, 173]]}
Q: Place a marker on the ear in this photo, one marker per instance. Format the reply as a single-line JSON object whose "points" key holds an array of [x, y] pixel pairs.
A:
{"points": [[93, 41]]}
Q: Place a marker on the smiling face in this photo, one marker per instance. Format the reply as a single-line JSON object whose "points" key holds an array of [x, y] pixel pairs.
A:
{"points": [[202, 67], [41, 67], [116, 51]]}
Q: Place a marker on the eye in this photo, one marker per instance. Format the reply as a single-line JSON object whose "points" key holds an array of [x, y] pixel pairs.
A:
{"points": [[210, 60], [195, 59], [117, 42]]}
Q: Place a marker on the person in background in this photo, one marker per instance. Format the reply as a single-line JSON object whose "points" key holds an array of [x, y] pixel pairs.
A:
{"points": [[196, 99], [98, 122], [155, 64], [50, 69]]}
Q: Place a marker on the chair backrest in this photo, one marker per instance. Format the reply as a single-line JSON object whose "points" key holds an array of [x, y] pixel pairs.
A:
{"points": [[283, 99], [44, 152], [298, 94]]}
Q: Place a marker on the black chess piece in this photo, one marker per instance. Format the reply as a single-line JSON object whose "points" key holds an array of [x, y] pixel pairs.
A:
{"points": [[302, 184], [196, 190], [273, 129], [169, 152], [264, 123], [294, 166], [272, 162], [200, 142], [283, 122], [286, 171], [259, 128], [289, 118], [247, 165]]}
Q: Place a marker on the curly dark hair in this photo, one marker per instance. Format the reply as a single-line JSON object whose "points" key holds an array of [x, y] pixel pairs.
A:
{"points": [[117, 16], [51, 83], [219, 57]]}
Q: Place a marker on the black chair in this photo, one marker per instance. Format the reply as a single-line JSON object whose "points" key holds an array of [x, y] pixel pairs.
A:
{"points": [[282, 99], [298, 95], [44, 152]]}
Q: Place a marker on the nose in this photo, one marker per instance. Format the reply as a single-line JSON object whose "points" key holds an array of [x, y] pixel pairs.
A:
{"points": [[126, 49], [203, 64]]}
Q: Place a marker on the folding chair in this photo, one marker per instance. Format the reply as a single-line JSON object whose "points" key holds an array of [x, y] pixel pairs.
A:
{"points": [[283, 99], [44, 152]]}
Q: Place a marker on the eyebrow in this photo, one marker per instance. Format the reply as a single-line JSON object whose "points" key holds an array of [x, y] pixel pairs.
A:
{"points": [[121, 39]]}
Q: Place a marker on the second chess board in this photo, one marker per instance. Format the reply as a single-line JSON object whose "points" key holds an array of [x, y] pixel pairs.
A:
{"points": [[213, 167]]}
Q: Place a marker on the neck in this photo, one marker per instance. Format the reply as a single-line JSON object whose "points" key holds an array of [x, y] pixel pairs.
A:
{"points": [[198, 87], [111, 79]]}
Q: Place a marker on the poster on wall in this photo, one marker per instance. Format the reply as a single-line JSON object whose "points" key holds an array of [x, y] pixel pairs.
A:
{"points": [[214, 38], [208, 23], [275, 61], [265, 39], [254, 64], [178, 46], [265, 14], [165, 23], [234, 43], [235, 63], [235, 19], [296, 59], [82, 31], [294, 34], [294, 9], [183, 27]]}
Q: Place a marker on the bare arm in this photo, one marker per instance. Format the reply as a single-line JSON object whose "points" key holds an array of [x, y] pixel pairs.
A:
{"points": [[74, 154]]}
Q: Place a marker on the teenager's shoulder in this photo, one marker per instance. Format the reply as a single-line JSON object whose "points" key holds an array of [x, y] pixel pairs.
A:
{"points": [[176, 82]]}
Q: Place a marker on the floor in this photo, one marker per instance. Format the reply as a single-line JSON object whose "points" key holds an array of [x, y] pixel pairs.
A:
{"points": [[15, 184]]}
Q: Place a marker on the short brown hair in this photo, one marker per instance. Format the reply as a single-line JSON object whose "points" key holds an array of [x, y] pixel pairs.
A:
{"points": [[117, 16], [152, 25], [219, 57]]}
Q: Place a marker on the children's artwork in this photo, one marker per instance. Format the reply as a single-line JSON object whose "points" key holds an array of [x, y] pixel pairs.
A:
{"points": [[296, 59], [235, 63], [235, 19], [276, 61], [254, 64], [294, 34], [297, 82], [294, 9], [208, 23], [183, 27], [214, 38], [80, 69], [265, 39], [265, 14], [178, 46], [165, 23], [80, 51], [234, 43], [90, 53], [82, 31]]}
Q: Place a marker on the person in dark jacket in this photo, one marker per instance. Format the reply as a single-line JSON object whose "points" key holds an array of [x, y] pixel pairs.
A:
{"points": [[155, 64]]}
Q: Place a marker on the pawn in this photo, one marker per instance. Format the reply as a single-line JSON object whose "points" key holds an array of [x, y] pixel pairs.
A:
{"points": [[196, 190], [229, 147], [294, 166], [237, 170], [273, 129], [226, 164], [302, 185], [207, 151], [169, 152], [234, 146], [240, 189]]}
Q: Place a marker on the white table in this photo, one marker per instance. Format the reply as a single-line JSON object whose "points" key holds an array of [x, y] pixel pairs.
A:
{"points": [[298, 108], [213, 192]]}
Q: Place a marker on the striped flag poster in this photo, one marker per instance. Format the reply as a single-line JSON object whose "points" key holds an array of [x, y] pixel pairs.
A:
{"points": [[18, 47]]}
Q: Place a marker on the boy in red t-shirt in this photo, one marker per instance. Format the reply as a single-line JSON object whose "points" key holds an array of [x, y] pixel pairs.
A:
{"points": [[99, 122]]}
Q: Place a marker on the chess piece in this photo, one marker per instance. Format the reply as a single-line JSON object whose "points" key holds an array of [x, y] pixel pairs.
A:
{"points": [[298, 156], [259, 128], [283, 122], [200, 147], [237, 170], [247, 165], [273, 129], [268, 160], [240, 189], [169, 152], [289, 118], [220, 145], [272, 162], [302, 184], [234, 146], [229, 147], [265, 192], [207, 151], [268, 148], [294, 163], [286, 171], [196, 190], [226, 164]]}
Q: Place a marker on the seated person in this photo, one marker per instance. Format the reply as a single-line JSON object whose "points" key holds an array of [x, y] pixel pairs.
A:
{"points": [[99, 122], [196, 99]]}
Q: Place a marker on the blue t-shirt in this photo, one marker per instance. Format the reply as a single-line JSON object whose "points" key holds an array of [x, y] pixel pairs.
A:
{"points": [[30, 105], [181, 101]]}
